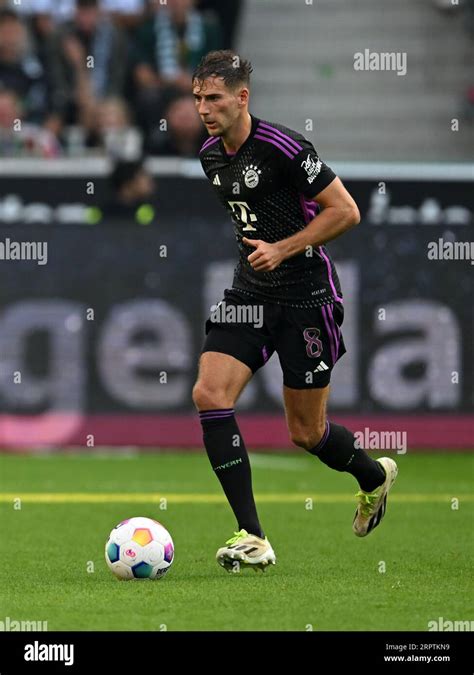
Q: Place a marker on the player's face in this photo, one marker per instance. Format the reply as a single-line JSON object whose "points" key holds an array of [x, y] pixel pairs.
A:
{"points": [[218, 106]]}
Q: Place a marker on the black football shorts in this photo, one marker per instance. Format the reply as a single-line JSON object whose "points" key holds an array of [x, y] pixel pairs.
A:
{"points": [[308, 341]]}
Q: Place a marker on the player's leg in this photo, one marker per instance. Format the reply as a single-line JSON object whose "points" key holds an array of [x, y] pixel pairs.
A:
{"points": [[308, 347], [332, 443], [231, 355], [336, 447], [220, 381]]}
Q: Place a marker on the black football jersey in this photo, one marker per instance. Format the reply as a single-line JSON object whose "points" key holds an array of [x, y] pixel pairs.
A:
{"points": [[268, 187]]}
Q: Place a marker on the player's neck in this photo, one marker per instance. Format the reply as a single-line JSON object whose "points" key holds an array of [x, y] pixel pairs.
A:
{"points": [[238, 134]]}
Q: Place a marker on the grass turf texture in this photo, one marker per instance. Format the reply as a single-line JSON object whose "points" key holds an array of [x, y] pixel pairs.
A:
{"points": [[325, 577]]}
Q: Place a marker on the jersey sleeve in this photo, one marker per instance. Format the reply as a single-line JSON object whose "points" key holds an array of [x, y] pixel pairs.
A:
{"points": [[307, 172], [202, 161]]}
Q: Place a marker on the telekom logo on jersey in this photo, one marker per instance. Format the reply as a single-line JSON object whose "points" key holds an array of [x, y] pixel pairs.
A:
{"points": [[244, 214]]}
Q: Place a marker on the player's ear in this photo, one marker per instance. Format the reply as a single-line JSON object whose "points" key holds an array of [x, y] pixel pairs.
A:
{"points": [[243, 96]]}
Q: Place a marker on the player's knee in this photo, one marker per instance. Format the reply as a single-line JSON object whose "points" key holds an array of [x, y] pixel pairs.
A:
{"points": [[307, 436], [201, 395], [206, 397]]}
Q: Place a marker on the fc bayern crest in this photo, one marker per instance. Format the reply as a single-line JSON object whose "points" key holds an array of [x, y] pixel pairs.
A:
{"points": [[251, 176]]}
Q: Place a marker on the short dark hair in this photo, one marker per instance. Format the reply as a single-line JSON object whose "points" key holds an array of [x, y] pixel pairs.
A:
{"points": [[224, 63]]}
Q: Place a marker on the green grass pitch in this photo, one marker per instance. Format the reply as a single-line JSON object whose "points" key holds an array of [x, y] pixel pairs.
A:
{"points": [[413, 569]]}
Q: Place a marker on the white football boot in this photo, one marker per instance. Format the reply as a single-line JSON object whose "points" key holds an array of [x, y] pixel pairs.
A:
{"points": [[372, 505], [246, 550]]}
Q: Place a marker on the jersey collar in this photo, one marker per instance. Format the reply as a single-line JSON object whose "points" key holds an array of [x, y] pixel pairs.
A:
{"points": [[253, 128]]}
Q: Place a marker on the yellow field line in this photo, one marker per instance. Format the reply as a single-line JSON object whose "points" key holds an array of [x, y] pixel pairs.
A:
{"points": [[192, 498]]}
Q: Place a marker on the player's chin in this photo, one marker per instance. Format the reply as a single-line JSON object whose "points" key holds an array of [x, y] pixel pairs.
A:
{"points": [[213, 129]]}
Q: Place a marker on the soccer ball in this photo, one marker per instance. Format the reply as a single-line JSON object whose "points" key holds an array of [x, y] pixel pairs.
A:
{"points": [[139, 548]]}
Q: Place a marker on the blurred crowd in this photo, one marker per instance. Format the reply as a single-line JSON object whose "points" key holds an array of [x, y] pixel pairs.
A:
{"points": [[105, 76]]}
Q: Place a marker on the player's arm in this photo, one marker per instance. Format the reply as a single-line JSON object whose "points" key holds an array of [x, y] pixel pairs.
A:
{"points": [[339, 214], [315, 181]]}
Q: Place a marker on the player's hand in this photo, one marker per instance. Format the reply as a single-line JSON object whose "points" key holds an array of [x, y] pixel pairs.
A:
{"points": [[266, 257]]}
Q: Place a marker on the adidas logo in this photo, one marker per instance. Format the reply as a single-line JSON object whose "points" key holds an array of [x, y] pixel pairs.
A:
{"points": [[244, 548], [322, 366], [216, 180]]}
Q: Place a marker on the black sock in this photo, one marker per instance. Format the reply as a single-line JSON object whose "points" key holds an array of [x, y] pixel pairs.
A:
{"points": [[229, 459], [338, 449]]}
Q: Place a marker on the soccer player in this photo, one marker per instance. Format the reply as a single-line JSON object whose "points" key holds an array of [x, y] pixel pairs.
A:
{"points": [[285, 204]]}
